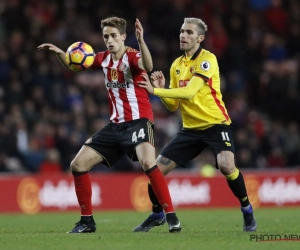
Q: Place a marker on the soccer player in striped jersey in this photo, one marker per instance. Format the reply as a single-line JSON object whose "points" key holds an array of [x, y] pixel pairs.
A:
{"points": [[130, 130], [195, 88]]}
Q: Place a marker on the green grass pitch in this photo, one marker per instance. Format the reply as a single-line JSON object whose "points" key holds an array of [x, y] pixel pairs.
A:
{"points": [[219, 229]]}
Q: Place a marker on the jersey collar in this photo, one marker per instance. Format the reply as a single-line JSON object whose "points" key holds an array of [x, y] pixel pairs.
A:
{"points": [[195, 54]]}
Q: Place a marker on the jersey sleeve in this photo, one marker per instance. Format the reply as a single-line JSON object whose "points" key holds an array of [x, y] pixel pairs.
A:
{"points": [[135, 58], [206, 67], [174, 92], [186, 92], [98, 60], [173, 82]]}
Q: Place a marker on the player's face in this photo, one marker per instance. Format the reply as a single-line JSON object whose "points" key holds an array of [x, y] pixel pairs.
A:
{"points": [[189, 38], [113, 40]]}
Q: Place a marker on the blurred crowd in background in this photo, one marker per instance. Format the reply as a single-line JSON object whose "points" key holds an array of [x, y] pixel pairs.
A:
{"points": [[48, 112]]}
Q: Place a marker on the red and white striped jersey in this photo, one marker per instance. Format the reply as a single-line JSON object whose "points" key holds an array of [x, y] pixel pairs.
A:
{"points": [[127, 101]]}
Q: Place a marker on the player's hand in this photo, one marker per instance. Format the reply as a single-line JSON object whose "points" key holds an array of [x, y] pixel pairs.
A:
{"points": [[157, 79], [51, 47], [139, 31], [146, 84]]}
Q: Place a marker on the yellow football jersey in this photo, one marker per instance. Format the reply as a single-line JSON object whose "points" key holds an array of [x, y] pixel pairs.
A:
{"points": [[195, 83]]}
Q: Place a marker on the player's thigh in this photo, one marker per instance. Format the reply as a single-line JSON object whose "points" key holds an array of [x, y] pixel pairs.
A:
{"points": [[85, 159], [145, 153], [138, 137], [184, 147], [105, 142], [225, 161], [220, 138]]}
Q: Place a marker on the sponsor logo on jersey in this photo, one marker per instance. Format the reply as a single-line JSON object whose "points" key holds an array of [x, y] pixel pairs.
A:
{"points": [[183, 83], [114, 74], [117, 85], [205, 65]]}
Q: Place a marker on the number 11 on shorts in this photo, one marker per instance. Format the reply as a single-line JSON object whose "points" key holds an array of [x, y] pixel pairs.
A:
{"points": [[225, 136]]}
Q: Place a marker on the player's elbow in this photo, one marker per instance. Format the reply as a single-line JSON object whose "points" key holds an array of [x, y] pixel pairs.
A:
{"points": [[172, 109], [149, 68]]}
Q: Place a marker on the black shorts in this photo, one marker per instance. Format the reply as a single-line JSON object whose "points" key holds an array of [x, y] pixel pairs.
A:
{"points": [[115, 140], [188, 144]]}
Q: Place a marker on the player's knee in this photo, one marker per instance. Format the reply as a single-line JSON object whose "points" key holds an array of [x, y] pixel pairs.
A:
{"points": [[165, 162], [226, 163], [226, 167], [147, 164], [165, 165], [75, 166]]}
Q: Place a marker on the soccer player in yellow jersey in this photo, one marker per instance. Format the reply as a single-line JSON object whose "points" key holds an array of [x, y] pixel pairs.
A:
{"points": [[195, 89]]}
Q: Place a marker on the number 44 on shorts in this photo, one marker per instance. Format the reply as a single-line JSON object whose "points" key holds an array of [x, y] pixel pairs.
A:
{"points": [[140, 134]]}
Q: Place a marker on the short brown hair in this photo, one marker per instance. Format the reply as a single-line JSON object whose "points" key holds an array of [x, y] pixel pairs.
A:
{"points": [[115, 22]]}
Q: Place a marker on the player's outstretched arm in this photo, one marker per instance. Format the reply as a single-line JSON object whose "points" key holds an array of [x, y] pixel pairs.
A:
{"points": [[158, 82], [60, 54], [187, 92], [146, 60]]}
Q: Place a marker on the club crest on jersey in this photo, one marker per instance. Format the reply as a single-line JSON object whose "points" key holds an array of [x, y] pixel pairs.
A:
{"points": [[205, 65], [114, 74], [177, 71], [122, 67]]}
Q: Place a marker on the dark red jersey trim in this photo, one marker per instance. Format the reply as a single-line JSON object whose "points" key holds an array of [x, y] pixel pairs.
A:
{"points": [[214, 95], [205, 78]]}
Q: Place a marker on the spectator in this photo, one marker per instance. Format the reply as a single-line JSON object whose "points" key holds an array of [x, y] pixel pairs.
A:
{"points": [[51, 164]]}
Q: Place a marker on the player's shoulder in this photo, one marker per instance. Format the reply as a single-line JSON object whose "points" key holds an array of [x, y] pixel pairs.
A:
{"points": [[207, 55], [205, 61], [132, 54], [101, 55], [131, 50]]}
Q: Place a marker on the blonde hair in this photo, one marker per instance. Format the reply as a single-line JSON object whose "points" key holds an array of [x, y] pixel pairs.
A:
{"points": [[201, 26]]}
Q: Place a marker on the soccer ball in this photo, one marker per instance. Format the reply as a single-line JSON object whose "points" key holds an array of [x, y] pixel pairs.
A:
{"points": [[80, 56]]}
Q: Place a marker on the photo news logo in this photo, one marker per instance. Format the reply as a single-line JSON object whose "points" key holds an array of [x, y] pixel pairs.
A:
{"points": [[274, 237]]}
